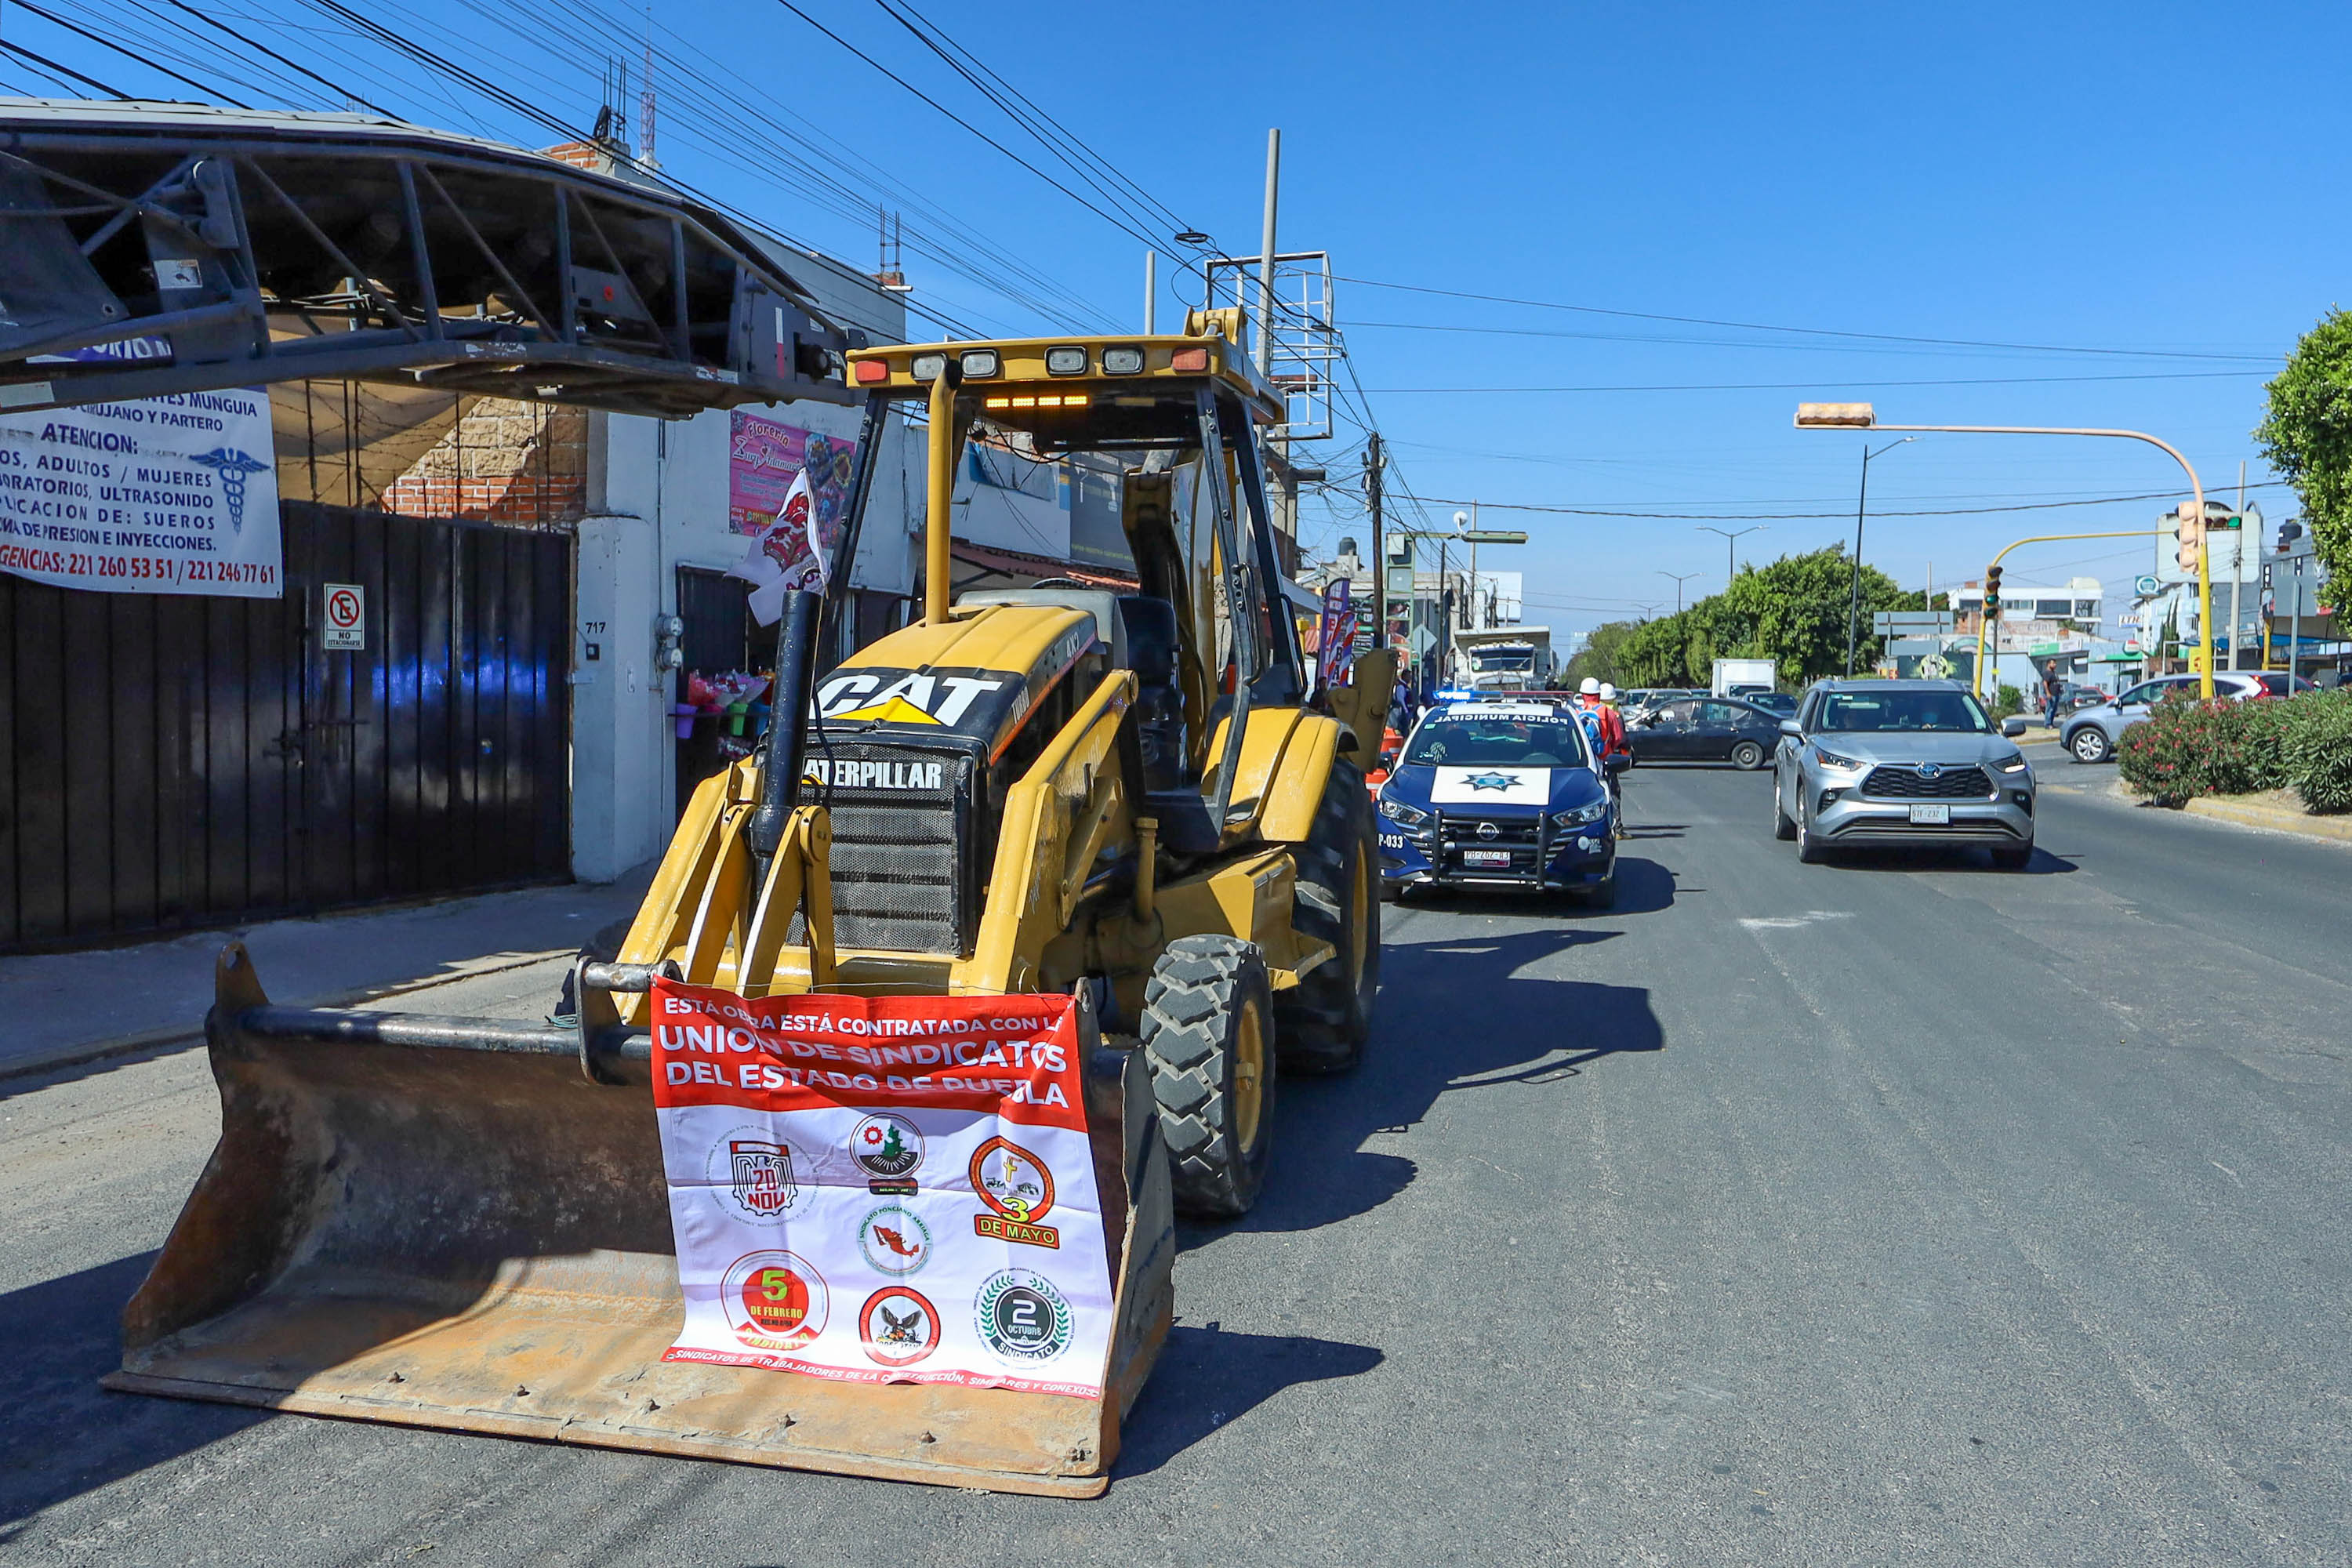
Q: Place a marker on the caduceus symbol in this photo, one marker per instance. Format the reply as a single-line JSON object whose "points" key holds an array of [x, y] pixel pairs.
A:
{"points": [[233, 466]]}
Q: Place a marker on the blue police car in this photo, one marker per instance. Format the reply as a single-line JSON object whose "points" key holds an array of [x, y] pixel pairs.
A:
{"points": [[1493, 795]]}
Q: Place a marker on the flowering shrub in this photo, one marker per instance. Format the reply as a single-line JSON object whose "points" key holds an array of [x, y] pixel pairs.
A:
{"points": [[2186, 749], [2317, 749]]}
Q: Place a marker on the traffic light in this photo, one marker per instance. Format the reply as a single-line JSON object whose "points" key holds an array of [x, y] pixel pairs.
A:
{"points": [[2192, 548], [1992, 591]]}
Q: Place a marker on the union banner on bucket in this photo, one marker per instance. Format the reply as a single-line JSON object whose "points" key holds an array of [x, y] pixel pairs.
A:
{"points": [[883, 1189]]}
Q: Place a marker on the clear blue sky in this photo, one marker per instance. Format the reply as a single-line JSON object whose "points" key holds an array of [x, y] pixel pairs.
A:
{"points": [[2158, 178]]}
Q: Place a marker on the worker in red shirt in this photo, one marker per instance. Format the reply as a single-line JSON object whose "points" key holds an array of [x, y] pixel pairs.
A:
{"points": [[1597, 699]]}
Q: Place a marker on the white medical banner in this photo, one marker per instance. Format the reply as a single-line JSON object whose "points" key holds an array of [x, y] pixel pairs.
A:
{"points": [[1491, 786], [165, 495], [883, 1189]]}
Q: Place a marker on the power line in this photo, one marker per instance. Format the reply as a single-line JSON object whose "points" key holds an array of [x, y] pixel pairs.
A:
{"points": [[1114, 219], [47, 64], [1816, 386], [265, 49], [1822, 516], [131, 53], [1765, 327]]}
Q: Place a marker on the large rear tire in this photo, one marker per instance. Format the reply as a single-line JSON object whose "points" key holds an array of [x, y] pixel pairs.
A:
{"points": [[1326, 1019], [1208, 1035]]}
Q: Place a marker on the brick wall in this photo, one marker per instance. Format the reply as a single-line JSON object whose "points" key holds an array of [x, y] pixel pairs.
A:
{"points": [[524, 464]]}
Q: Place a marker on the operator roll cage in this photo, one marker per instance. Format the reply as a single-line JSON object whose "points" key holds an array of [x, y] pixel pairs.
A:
{"points": [[151, 251], [1196, 413]]}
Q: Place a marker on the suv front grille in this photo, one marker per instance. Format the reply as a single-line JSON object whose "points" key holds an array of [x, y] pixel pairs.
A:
{"points": [[1892, 783]]}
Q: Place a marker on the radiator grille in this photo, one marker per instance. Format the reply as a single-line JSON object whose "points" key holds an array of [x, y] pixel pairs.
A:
{"points": [[1904, 782], [898, 884]]}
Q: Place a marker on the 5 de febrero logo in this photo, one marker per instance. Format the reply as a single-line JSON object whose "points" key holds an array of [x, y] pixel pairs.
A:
{"points": [[1018, 1187]]}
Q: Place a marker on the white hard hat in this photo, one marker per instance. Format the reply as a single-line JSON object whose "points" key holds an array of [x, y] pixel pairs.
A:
{"points": [[1590, 688], [1608, 692]]}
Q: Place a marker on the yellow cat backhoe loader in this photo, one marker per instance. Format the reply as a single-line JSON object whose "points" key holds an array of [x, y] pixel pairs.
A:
{"points": [[1132, 798]]}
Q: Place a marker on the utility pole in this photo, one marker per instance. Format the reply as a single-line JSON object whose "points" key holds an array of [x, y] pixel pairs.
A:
{"points": [[2237, 566], [1150, 292], [1265, 267], [1680, 578], [1380, 542]]}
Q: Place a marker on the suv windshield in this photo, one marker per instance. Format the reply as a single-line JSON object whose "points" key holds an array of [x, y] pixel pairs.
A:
{"points": [[1490, 740], [1921, 712]]}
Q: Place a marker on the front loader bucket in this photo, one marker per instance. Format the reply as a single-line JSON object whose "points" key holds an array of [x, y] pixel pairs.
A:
{"points": [[448, 1222]]}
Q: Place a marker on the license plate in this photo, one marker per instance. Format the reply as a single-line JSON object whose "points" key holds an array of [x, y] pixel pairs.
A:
{"points": [[1940, 815], [1486, 857]]}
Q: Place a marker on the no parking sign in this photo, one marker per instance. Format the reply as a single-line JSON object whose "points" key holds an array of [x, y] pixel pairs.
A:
{"points": [[346, 617]]}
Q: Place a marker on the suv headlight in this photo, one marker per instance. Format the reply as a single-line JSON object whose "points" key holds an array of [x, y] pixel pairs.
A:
{"points": [[1401, 814], [1578, 815], [2012, 764], [1831, 760]]}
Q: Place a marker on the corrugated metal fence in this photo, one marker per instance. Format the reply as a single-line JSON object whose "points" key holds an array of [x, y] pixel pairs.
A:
{"points": [[175, 761]]}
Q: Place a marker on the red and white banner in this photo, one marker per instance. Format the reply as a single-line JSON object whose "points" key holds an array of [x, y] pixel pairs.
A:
{"points": [[883, 1189]]}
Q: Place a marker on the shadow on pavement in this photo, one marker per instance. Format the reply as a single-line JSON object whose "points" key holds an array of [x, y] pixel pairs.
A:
{"points": [[1207, 1377], [1643, 888], [1940, 857], [1457, 1013], [60, 1434]]}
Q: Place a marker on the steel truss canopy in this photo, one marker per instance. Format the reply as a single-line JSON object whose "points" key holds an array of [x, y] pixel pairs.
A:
{"points": [[147, 249]]}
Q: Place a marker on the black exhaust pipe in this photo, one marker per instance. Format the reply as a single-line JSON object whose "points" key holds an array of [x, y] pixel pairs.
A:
{"points": [[788, 708]]}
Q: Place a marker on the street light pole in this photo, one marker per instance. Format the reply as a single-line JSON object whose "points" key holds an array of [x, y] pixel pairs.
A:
{"points": [[1863, 416], [1862, 503], [1680, 578], [1730, 569]]}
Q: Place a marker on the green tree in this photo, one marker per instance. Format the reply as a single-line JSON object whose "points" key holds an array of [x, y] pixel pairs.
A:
{"points": [[1598, 658], [2306, 434], [1791, 611]]}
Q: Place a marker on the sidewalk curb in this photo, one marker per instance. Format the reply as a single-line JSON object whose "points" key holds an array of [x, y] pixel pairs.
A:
{"points": [[86, 1052], [2337, 829]]}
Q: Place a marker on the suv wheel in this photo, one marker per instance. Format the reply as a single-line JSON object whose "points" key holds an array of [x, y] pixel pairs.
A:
{"points": [[1809, 849], [1782, 828], [2090, 744]]}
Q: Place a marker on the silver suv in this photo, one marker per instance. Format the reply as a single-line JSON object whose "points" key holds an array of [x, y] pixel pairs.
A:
{"points": [[1901, 763]]}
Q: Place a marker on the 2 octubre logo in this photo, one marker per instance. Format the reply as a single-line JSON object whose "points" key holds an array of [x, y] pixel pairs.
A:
{"points": [[1021, 1316]]}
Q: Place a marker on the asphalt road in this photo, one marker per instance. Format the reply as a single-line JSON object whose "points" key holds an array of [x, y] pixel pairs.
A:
{"points": [[1895, 1210]]}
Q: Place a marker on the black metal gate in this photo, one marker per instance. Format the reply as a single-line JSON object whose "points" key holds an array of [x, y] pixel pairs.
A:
{"points": [[175, 761]]}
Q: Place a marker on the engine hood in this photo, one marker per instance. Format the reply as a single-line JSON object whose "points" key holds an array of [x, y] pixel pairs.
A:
{"points": [[1915, 746], [1503, 790], [976, 677]]}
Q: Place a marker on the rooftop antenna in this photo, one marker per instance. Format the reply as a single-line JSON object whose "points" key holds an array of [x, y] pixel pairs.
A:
{"points": [[645, 106], [891, 262]]}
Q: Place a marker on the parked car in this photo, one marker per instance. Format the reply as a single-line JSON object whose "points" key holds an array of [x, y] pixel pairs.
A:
{"points": [[1901, 763], [1778, 703], [2092, 734], [1706, 730]]}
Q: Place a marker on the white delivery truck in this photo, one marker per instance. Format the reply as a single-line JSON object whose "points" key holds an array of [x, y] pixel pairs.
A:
{"points": [[1740, 677], [1502, 659]]}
